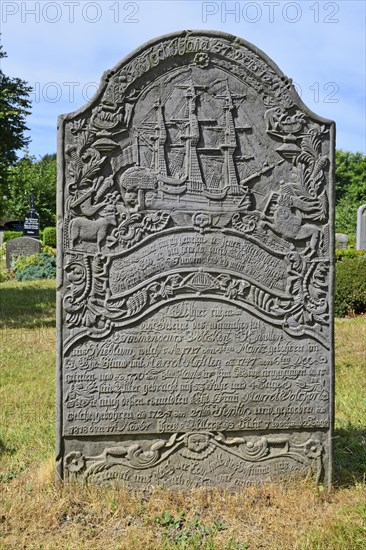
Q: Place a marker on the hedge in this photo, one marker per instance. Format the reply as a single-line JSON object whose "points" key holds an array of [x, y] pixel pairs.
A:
{"points": [[342, 253], [350, 290], [9, 235], [49, 236]]}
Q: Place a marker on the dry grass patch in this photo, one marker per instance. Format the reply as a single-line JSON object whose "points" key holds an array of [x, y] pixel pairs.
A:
{"points": [[39, 512]]}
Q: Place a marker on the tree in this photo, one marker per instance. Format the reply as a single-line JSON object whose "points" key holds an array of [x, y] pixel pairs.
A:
{"points": [[350, 189], [14, 107], [29, 176]]}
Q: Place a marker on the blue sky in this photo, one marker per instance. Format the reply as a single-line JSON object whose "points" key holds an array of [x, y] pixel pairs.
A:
{"points": [[61, 48]]}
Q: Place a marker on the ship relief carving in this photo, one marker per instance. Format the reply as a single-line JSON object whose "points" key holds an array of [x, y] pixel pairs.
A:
{"points": [[184, 152]]}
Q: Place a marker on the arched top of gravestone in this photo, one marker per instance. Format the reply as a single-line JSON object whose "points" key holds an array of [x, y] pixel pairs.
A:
{"points": [[122, 85]]}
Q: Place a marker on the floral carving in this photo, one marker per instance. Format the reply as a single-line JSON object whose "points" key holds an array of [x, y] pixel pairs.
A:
{"points": [[201, 60], [135, 226], [313, 449], [304, 311], [75, 462]]}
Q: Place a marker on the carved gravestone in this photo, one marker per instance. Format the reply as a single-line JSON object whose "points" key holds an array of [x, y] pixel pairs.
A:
{"points": [[361, 228], [195, 210], [21, 246]]}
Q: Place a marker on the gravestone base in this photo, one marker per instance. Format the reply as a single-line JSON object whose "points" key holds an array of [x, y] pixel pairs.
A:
{"points": [[197, 459]]}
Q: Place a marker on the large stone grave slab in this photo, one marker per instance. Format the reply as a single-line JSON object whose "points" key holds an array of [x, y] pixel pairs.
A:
{"points": [[21, 246], [195, 208]]}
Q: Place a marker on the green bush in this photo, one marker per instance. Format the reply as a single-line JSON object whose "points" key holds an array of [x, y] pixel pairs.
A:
{"points": [[342, 253], [4, 275], [49, 236], [49, 250], [350, 291], [36, 266], [8, 235]]}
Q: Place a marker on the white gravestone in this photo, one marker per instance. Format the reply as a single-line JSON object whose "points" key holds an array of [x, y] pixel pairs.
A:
{"points": [[361, 228]]}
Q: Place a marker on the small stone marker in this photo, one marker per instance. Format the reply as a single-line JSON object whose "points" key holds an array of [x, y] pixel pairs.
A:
{"points": [[195, 329], [361, 228], [31, 221], [21, 246], [341, 240]]}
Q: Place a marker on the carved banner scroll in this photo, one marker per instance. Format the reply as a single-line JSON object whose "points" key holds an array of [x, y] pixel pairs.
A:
{"points": [[195, 219]]}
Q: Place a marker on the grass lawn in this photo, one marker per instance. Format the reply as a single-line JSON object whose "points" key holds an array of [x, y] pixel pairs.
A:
{"points": [[27, 305], [36, 512]]}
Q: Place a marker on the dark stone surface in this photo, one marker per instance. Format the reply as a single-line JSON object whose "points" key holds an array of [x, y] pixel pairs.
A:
{"points": [[195, 208], [31, 221], [31, 224]]}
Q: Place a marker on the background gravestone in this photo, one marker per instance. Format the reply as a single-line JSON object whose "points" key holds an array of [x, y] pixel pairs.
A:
{"points": [[195, 210], [21, 246], [341, 240], [31, 221], [361, 228]]}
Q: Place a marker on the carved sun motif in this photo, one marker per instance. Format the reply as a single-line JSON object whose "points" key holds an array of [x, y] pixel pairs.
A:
{"points": [[201, 281]]}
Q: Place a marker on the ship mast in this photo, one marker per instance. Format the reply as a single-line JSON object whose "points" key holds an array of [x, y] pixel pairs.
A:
{"points": [[159, 140], [229, 145], [191, 137]]}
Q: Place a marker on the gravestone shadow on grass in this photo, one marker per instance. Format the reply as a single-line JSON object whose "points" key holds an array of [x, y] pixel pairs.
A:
{"points": [[28, 305], [349, 455]]}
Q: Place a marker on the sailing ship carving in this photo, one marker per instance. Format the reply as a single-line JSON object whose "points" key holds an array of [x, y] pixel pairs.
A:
{"points": [[193, 157]]}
